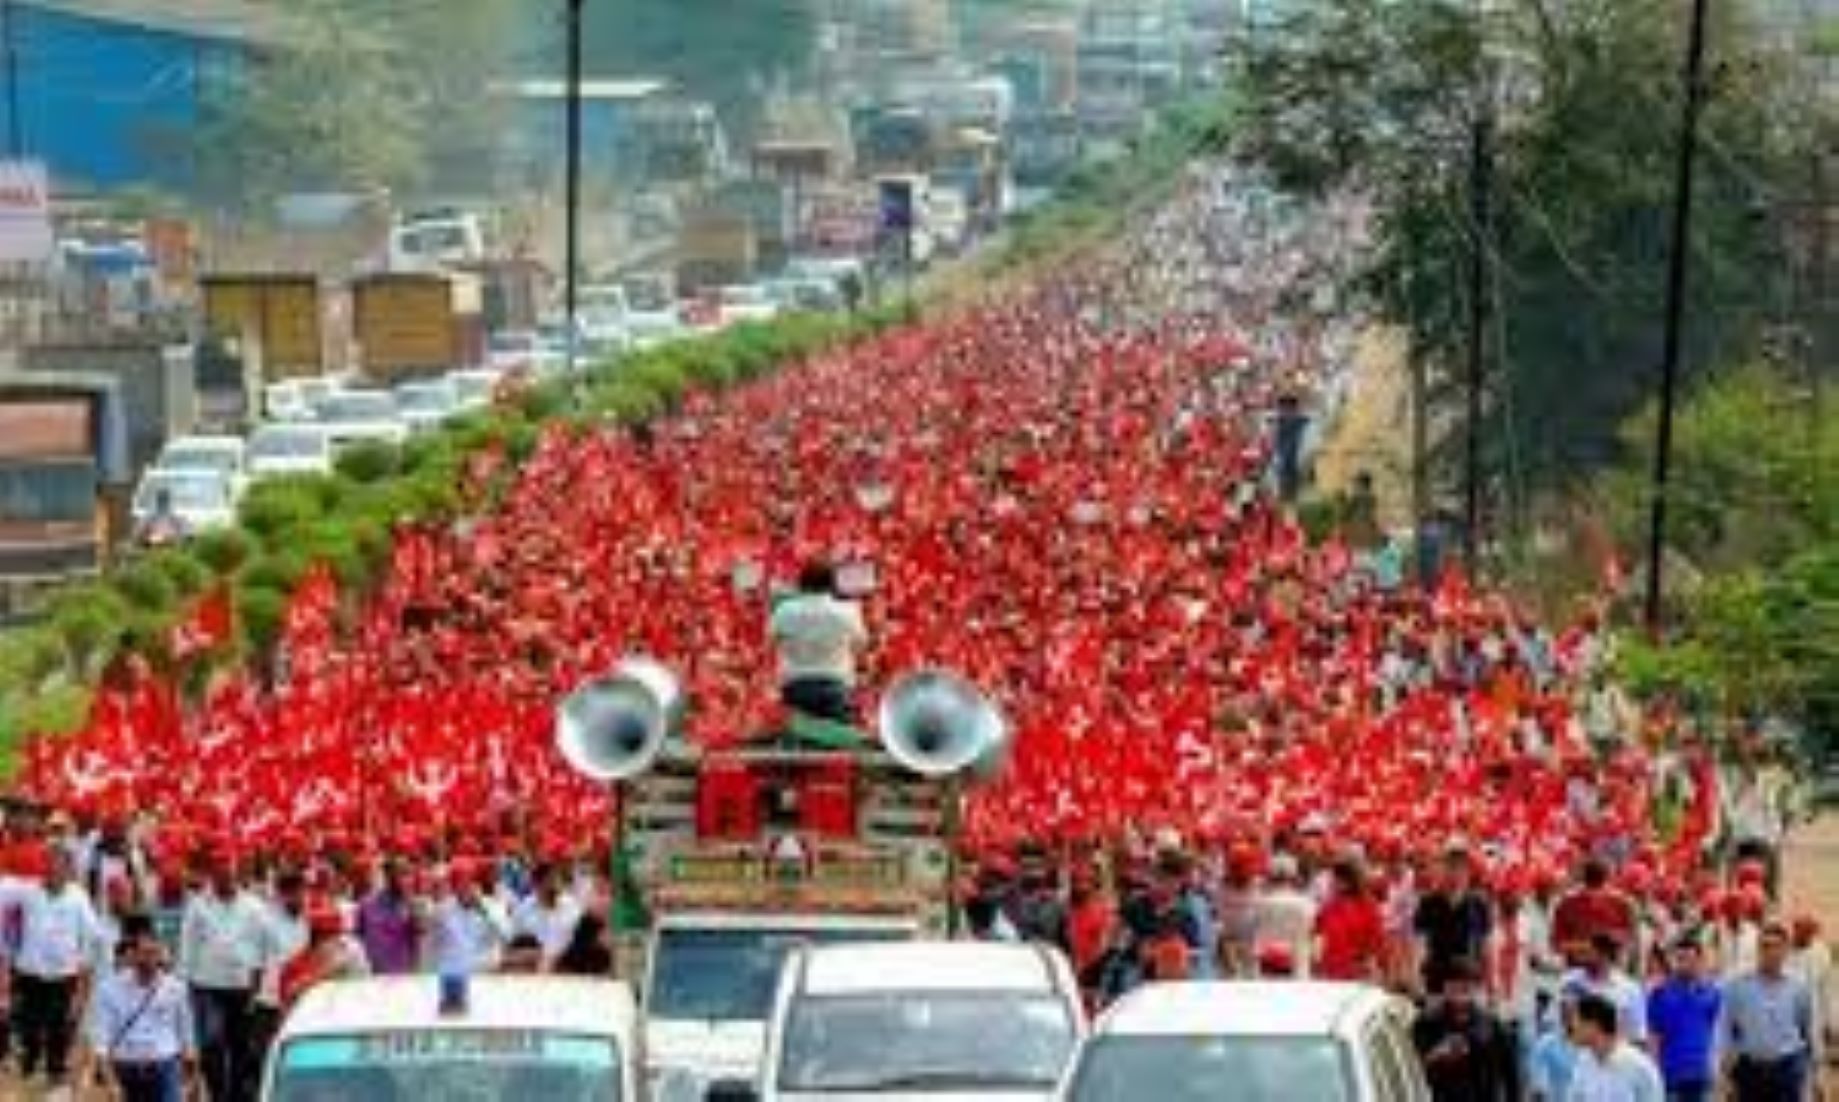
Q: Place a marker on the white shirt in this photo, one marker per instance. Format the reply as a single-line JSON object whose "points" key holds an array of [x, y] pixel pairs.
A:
{"points": [[554, 926], [1627, 1075], [1629, 999], [59, 935], [464, 939], [133, 1023], [1285, 916], [221, 942], [818, 636], [283, 936]]}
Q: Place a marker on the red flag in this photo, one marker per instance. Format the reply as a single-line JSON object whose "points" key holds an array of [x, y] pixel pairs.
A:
{"points": [[208, 626]]}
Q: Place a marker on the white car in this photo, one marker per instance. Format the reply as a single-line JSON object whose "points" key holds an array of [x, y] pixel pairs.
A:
{"points": [[193, 501], [709, 984], [741, 302], [476, 387], [426, 404], [296, 399], [548, 1038], [361, 416], [283, 448], [650, 328], [1285, 1040], [225, 455], [942, 1020]]}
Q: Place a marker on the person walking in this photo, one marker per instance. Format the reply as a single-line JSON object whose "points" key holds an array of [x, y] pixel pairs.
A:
{"points": [[140, 1026], [1682, 1020], [390, 924], [59, 940], [1609, 1068], [1768, 1038], [220, 959], [1468, 1053]]}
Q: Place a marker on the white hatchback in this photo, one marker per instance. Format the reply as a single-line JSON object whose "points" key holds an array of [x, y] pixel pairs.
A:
{"points": [[1278, 1041], [947, 1021], [283, 448]]}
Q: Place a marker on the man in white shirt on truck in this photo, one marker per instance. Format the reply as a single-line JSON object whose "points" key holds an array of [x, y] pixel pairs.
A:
{"points": [[818, 635]]}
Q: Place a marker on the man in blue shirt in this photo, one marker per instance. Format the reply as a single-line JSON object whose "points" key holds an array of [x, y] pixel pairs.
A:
{"points": [[1682, 1022]]}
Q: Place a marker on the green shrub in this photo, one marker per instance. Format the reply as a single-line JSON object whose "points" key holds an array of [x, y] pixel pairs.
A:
{"points": [[280, 569], [87, 619], [28, 656], [222, 550], [271, 509], [369, 462], [261, 612], [145, 586], [52, 711], [183, 569]]}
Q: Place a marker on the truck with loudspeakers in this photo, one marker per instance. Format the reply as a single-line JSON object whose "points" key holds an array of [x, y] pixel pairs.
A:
{"points": [[817, 833]]}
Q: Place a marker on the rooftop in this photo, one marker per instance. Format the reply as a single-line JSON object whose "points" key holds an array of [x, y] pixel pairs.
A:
{"points": [[1286, 1008], [224, 20], [611, 89], [912, 966], [525, 1003]]}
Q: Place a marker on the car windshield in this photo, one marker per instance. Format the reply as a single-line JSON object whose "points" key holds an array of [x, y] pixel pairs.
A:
{"points": [[448, 1064], [1191, 1069], [197, 457], [927, 1040], [352, 406], [202, 493], [286, 443], [729, 975]]}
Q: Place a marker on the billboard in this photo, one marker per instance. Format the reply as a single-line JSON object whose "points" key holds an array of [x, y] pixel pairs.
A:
{"points": [[25, 213]]}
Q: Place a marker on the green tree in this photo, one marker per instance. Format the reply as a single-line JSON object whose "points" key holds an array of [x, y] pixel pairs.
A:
{"points": [[1381, 96], [726, 51]]}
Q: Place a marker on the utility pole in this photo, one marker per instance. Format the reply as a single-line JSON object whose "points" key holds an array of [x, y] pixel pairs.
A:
{"points": [[572, 250], [1694, 79]]}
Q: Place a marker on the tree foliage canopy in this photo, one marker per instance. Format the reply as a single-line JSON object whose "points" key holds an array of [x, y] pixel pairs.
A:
{"points": [[1381, 96]]}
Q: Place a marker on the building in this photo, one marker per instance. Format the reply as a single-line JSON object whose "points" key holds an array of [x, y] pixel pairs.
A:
{"points": [[632, 131], [109, 92], [1130, 63]]}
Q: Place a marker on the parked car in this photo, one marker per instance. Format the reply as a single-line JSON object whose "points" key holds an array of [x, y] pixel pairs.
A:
{"points": [[426, 404], [296, 399], [226, 455], [547, 1038], [477, 387], [175, 505], [811, 294], [360, 416], [741, 302], [1286, 1039], [283, 448], [934, 1019]]}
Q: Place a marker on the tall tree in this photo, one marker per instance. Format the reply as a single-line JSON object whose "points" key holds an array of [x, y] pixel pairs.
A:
{"points": [[726, 51], [1379, 95]]}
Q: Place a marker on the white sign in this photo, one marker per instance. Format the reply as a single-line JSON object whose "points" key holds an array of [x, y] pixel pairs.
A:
{"points": [[25, 213]]}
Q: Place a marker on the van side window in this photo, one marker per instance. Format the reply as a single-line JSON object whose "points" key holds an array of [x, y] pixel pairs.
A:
{"points": [[1391, 1081]]}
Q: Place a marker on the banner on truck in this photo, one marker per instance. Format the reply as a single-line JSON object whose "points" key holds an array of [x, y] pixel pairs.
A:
{"points": [[25, 213]]}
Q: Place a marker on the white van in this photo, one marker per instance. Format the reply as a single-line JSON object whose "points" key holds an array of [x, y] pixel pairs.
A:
{"points": [[944, 1021], [1276, 1041], [520, 1038], [710, 979]]}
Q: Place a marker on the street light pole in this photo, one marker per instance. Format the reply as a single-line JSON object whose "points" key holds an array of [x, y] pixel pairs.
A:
{"points": [[1694, 77], [572, 250], [15, 128]]}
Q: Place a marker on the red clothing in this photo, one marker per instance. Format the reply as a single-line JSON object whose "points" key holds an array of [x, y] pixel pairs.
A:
{"points": [[1089, 932], [1352, 932], [1588, 912]]}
